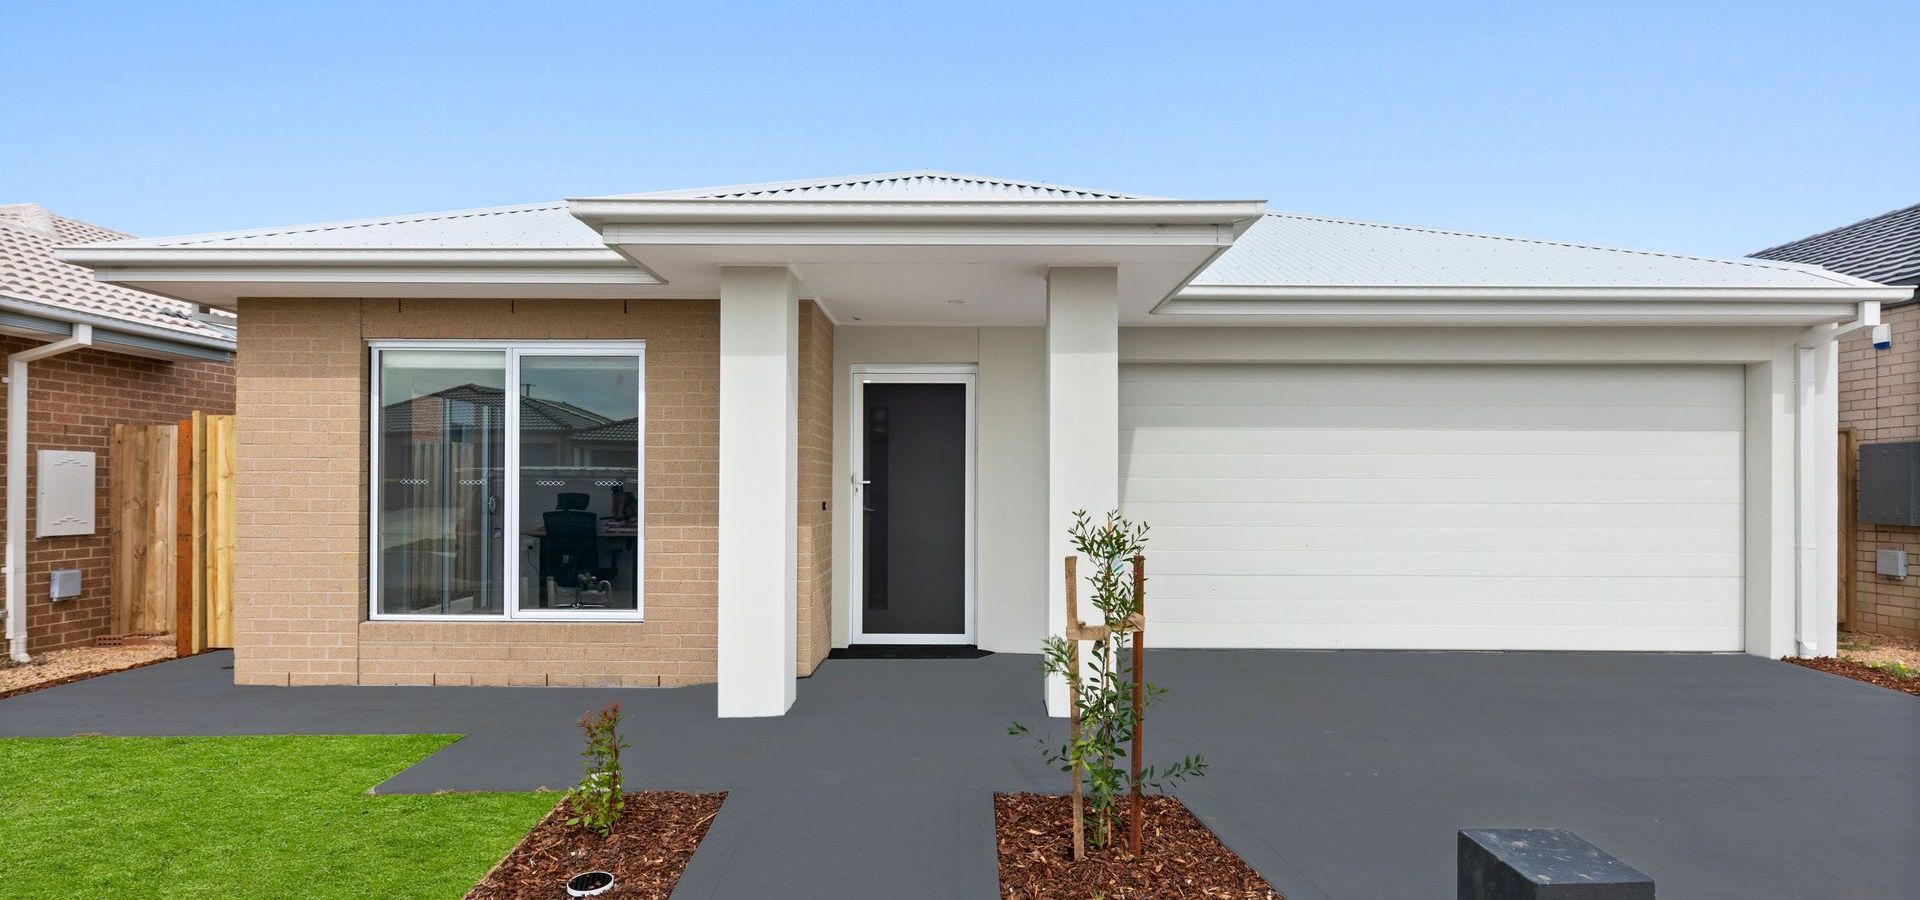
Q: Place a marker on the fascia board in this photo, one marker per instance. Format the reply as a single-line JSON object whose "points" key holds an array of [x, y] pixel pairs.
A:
{"points": [[917, 234], [97, 257], [1251, 294], [624, 273], [1464, 312]]}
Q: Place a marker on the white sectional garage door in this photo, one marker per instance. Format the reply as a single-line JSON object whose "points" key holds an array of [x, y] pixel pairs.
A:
{"points": [[1456, 507]]}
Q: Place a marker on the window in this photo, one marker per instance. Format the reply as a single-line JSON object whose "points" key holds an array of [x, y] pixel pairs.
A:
{"points": [[507, 481]]}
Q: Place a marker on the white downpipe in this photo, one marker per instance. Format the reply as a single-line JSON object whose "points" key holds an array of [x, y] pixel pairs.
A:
{"points": [[1808, 490], [16, 484]]}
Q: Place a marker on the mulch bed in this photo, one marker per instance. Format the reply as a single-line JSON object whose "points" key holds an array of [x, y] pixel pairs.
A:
{"points": [[113, 667], [1179, 857], [1859, 672], [648, 849]]}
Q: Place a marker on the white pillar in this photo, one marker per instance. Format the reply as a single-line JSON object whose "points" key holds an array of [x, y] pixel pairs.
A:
{"points": [[759, 338], [1083, 422]]}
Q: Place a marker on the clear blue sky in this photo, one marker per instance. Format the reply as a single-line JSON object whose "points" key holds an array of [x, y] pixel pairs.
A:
{"points": [[1714, 128]]}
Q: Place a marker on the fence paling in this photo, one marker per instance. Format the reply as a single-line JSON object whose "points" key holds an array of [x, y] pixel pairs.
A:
{"points": [[141, 495], [172, 516]]}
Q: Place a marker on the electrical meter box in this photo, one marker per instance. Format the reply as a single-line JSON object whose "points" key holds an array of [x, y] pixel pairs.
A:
{"points": [[1890, 483], [64, 493]]}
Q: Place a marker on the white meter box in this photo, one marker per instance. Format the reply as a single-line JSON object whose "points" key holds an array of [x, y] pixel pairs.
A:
{"points": [[64, 492]]}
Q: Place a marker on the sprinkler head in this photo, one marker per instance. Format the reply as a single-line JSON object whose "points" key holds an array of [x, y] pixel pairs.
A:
{"points": [[589, 884]]}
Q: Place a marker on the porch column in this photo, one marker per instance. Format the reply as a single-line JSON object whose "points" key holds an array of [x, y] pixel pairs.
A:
{"points": [[1083, 422], [759, 335]]}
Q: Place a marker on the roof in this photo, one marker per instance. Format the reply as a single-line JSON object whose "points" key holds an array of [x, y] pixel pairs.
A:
{"points": [[1885, 248], [1291, 249], [29, 271], [549, 226], [1281, 250]]}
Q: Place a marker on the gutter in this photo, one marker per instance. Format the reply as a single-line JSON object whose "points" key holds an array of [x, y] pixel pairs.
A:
{"points": [[1810, 499], [111, 333], [16, 482]]}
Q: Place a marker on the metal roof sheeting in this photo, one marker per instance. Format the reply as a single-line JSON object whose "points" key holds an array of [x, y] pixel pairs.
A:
{"points": [[920, 184], [29, 271], [1281, 250], [1885, 248], [1288, 249]]}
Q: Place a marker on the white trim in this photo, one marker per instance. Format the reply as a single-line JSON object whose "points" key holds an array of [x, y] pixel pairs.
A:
{"points": [[863, 374], [512, 352]]}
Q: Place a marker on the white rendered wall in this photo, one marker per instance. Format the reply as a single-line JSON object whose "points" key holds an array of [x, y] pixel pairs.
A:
{"points": [[1010, 495], [759, 343]]}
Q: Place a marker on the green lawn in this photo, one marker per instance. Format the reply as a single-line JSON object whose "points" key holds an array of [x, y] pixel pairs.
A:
{"points": [[242, 817]]}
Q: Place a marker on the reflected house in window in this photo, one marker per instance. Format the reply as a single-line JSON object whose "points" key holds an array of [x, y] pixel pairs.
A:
{"points": [[442, 462], [445, 500]]}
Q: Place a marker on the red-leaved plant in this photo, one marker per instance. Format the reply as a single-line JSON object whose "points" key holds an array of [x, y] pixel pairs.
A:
{"points": [[596, 803]]}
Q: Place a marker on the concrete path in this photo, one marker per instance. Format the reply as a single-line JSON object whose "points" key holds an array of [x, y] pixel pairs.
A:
{"points": [[1337, 775]]}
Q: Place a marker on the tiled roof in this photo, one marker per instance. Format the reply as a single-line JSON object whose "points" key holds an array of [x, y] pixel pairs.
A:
{"points": [[28, 271], [621, 431], [1288, 249], [1885, 248]]}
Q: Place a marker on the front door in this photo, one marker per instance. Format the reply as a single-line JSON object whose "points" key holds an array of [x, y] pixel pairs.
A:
{"points": [[913, 571]]}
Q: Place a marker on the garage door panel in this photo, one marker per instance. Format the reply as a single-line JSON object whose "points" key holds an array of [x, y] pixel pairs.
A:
{"points": [[1569, 491], [1170, 593], [1409, 539], [1466, 636], [1480, 507], [1491, 613], [1444, 564], [1595, 467], [1432, 515], [1219, 440], [1403, 418]]}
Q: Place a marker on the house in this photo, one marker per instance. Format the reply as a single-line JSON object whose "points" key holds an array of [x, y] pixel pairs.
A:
{"points": [[83, 355], [1879, 400], [707, 435]]}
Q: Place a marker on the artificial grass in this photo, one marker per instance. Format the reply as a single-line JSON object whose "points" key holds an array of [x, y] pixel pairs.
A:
{"points": [[277, 816]]}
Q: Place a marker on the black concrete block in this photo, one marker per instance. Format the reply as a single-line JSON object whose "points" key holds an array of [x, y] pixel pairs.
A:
{"points": [[1543, 864]]}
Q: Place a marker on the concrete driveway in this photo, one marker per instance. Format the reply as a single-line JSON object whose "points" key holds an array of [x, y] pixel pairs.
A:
{"points": [[1337, 775]]}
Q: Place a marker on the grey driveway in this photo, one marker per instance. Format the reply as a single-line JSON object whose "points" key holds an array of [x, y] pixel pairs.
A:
{"points": [[1338, 775]]}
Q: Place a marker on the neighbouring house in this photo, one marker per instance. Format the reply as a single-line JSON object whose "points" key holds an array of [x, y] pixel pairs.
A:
{"points": [[707, 435], [84, 355], [1879, 404]]}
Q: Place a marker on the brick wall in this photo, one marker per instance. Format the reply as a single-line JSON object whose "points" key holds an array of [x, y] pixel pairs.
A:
{"points": [[814, 600], [73, 402], [300, 608], [1880, 400]]}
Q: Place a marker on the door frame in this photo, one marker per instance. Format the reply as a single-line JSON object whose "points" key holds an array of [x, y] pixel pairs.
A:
{"points": [[858, 377]]}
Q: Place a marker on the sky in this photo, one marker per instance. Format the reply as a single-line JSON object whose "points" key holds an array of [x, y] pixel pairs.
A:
{"points": [[1708, 128]]}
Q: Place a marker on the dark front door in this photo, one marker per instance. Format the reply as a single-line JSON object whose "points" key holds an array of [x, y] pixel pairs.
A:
{"points": [[914, 541]]}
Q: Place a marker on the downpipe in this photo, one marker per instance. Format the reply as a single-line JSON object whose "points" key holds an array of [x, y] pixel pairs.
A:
{"points": [[16, 482], [1806, 486]]}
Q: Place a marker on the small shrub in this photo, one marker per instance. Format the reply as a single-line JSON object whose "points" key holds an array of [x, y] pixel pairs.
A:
{"points": [[1105, 699], [1895, 668], [596, 803]]}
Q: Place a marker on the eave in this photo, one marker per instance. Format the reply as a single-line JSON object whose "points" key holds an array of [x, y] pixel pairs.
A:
{"points": [[1364, 305]]}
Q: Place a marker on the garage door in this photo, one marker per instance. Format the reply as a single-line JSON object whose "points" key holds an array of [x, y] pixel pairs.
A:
{"points": [[1452, 507]]}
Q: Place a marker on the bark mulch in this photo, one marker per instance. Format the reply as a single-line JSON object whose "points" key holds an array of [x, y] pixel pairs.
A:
{"points": [[1179, 857], [646, 852], [76, 664], [1859, 672]]}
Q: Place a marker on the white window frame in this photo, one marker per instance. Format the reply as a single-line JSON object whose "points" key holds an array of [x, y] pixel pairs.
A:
{"points": [[861, 375], [510, 491]]}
